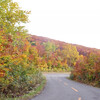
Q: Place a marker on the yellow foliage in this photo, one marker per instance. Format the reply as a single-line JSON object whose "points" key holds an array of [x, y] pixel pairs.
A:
{"points": [[2, 73]]}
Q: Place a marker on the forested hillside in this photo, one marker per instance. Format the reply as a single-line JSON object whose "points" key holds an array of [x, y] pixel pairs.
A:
{"points": [[24, 56], [53, 55]]}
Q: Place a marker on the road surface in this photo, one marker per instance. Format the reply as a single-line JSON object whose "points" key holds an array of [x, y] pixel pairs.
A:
{"points": [[60, 88]]}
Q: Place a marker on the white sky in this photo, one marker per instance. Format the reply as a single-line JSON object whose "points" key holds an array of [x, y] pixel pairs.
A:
{"points": [[72, 21]]}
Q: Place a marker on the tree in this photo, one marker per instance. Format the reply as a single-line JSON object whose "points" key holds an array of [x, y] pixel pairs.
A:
{"points": [[49, 48], [70, 53], [87, 69], [17, 71], [11, 16]]}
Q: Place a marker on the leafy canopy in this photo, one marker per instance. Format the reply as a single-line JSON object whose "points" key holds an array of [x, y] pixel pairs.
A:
{"points": [[11, 16]]}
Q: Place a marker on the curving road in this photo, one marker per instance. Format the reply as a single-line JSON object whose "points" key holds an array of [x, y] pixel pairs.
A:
{"points": [[60, 88]]}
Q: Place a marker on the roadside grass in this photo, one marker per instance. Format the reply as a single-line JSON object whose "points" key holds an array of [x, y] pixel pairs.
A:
{"points": [[93, 84], [38, 89]]}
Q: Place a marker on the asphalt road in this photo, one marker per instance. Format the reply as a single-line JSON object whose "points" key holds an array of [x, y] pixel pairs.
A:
{"points": [[60, 88]]}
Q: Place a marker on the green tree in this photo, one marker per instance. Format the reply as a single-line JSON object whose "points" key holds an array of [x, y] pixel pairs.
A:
{"points": [[11, 16], [49, 47]]}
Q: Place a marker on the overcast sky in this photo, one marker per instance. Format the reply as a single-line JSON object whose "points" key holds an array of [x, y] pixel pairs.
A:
{"points": [[72, 21]]}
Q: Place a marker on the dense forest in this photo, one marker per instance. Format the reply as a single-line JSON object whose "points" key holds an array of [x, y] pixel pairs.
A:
{"points": [[18, 73], [24, 56], [54, 55]]}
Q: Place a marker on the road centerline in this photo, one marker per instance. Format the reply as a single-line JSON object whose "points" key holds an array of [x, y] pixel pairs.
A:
{"points": [[79, 98], [74, 89], [65, 83]]}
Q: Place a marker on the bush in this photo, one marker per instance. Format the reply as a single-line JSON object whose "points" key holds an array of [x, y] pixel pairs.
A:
{"points": [[18, 73], [87, 70], [72, 76]]}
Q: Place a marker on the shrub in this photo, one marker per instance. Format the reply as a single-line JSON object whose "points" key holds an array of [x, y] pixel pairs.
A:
{"points": [[87, 69]]}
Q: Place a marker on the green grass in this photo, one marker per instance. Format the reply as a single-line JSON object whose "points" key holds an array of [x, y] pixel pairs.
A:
{"points": [[30, 95]]}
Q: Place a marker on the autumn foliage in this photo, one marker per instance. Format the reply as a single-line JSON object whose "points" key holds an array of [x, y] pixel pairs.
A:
{"points": [[18, 73], [83, 62], [22, 56], [17, 68], [87, 69], [54, 55]]}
